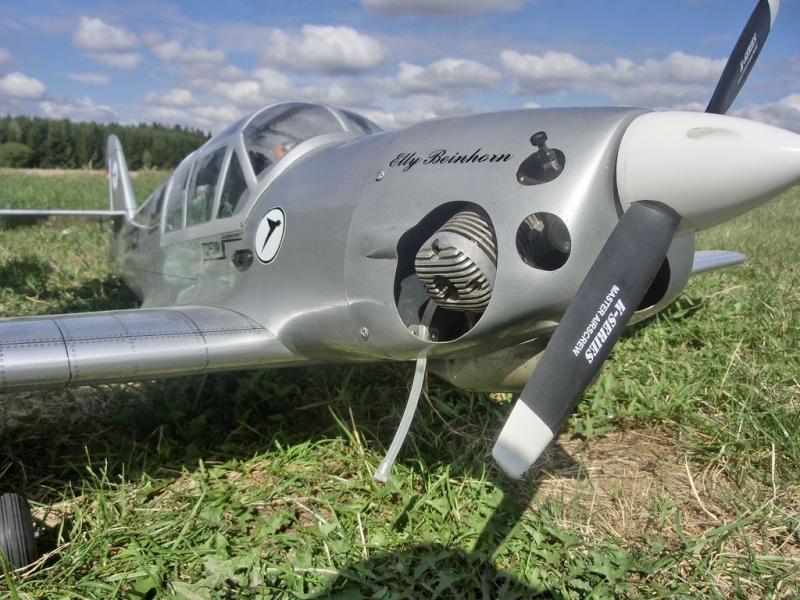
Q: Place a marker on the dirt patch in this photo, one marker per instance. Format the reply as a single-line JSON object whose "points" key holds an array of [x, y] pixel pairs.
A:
{"points": [[641, 484]]}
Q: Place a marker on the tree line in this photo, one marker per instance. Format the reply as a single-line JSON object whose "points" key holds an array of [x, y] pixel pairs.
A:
{"points": [[34, 142]]}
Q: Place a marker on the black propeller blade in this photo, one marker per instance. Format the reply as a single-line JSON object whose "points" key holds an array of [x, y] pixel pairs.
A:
{"points": [[743, 57], [591, 326], [623, 271]]}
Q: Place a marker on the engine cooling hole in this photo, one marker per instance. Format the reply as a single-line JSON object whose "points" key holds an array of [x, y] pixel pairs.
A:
{"points": [[449, 259], [543, 241], [658, 288]]}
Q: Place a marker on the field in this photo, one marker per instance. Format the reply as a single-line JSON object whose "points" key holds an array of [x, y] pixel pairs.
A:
{"points": [[677, 477]]}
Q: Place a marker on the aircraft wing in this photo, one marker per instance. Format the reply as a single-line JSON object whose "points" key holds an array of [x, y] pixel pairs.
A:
{"points": [[53, 352], [711, 260]]}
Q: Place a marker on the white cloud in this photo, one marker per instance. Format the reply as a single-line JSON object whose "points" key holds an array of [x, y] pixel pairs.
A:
{"points": [[255, 89], [784, 113], [338, 94], [201, 76], [264, 85], [446, 108], [174, 97], [175, 51], [77, 110], [109, 45], [126, 61], [395, 120], [446, 76], [414, 110], [19, 86], [182, 106], [274, 84], [6, 58], [245, 93], [325, 48], [679, 78], [95, 34], [90, 78], [215, 118], [208, 116], [440, 7]]}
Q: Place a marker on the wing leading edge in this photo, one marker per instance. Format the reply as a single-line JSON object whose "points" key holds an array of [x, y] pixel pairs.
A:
{"points": [[711, 260], [62, 351], [88, 216]]}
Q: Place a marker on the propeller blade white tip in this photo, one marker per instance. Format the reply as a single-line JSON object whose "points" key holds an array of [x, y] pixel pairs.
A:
{"points": [[774, 5], [522, 440]]}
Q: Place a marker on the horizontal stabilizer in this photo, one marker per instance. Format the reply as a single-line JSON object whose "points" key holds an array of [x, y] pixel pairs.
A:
{"points": [[61, 351], [35, 216], [711, 260]]}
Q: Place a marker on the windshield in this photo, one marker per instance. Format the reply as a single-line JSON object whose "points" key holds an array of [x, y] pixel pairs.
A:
{"points": [[278, 129]]}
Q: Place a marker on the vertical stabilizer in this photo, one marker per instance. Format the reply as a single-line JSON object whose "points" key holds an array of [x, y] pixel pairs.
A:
{"points": [[120, 190]]}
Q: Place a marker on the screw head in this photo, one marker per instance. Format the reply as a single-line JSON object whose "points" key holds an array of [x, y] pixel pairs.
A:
{"points": [[380, 175], [364, 333]]}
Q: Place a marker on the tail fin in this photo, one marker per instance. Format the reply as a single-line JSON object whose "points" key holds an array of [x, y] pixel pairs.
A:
{"points": [[120, 190]]}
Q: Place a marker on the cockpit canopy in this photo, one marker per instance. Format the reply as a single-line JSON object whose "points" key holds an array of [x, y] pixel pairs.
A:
{"points": [[217, 180], [271, 133]]}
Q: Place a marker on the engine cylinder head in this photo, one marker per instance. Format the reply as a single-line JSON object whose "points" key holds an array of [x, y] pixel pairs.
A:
{"points": [[458, 263]]}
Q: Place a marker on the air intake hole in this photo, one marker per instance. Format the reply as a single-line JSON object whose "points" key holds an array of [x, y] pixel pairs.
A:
{"points": [[543, 241]]}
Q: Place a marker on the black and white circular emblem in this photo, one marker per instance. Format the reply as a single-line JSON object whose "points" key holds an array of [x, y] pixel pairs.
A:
{"points": [[269, 235]]}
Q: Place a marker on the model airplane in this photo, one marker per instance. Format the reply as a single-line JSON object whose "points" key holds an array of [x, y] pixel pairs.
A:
{"points": [[503, 251]]}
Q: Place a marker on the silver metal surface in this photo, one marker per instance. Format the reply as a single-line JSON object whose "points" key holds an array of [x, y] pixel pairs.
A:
{"points": [[351, 212], [711, 260], [100, 216], [72, 350]]}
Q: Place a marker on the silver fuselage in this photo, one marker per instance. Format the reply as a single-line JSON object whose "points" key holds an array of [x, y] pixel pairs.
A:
{"points": [[330, 293]]}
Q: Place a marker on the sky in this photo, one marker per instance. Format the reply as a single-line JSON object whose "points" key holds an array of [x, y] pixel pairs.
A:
{"points": [[206, 64]]}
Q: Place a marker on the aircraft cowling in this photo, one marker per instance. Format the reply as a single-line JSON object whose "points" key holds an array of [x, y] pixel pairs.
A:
{"points": [[509, 369], [428, 174], [363, 293]]}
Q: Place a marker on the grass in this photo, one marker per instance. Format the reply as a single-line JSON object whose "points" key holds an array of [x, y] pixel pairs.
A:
{"points": [[677, 476]]}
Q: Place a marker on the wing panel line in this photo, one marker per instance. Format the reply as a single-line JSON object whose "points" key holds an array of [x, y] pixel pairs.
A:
{"points": [[118, 346]]}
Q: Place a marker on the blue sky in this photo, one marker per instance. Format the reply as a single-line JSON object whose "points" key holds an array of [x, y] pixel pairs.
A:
{"points": [[205, 64]]}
